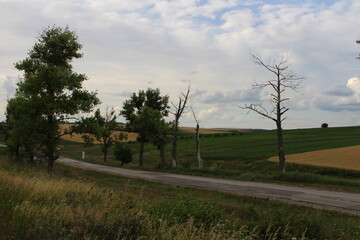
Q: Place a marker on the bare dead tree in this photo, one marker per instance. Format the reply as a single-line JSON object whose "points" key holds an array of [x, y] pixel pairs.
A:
{"points": [[283, 80], [178, 111], [197, 129]]}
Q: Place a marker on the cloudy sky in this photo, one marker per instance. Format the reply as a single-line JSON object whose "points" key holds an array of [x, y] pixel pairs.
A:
{"points": [[131, 45]]}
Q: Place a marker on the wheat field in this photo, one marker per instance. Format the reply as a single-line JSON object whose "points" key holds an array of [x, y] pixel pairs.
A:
{"points": [[345, 158]]}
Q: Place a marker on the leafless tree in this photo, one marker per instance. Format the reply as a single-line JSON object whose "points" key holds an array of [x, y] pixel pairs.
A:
{"points": [[197, 129], [283, 80], [178, 111]]}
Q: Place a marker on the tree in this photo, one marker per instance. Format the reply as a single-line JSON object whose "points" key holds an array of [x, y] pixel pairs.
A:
{"points": [[283, 80], [197, 130], [178, 111], [51, 85], [139, 112], [324, 125], [160, 135], [24, 135], [101, 128]]}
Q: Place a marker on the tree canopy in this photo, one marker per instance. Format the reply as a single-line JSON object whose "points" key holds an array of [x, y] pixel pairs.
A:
{"points": [[142, 111], [51, 86]]}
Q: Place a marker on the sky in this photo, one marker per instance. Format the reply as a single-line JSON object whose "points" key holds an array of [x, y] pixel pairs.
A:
{"points": [[169, 44]]}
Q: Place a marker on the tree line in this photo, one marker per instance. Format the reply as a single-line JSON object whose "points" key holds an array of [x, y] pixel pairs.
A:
{"points": [[50, 93]]}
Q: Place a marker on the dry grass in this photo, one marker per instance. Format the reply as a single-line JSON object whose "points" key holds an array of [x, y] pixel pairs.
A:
{"points": [[77, 137], [345, 158]]}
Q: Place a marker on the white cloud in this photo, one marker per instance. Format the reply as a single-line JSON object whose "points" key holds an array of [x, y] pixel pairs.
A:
{"points": [[354, 84], [128, 44], [207, 113]]}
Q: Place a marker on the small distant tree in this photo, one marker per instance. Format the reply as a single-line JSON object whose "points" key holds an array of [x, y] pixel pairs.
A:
{"points": [[139, 113], [284, 79], [101, 128], [178, 110], [52, 87], [122, 153], [324, 125]]}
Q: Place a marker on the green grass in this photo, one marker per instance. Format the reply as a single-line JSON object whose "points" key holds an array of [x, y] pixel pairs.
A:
{"points": [[78, 204], [243, 156]]}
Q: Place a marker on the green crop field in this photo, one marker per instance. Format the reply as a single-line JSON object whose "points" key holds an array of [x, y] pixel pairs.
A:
{"points": [[243, 156], [78, 204]]}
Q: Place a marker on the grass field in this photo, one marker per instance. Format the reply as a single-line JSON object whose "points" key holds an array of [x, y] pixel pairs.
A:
{"points": [[244, 156], [77, 204]]}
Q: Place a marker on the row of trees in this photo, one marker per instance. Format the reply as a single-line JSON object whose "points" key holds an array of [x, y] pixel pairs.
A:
{"points": [[51, 93]]}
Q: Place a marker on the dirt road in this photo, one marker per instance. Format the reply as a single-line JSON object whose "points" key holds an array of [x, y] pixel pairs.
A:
{"points": [[321, 198]]}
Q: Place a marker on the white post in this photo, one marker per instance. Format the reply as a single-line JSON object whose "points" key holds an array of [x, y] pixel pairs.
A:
{"points": [[83, 155]]}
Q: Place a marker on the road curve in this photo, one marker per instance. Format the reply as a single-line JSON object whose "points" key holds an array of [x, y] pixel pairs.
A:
{"points": [[349, 202]]}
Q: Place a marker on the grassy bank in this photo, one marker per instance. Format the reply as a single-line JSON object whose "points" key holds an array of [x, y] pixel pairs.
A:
{"points": [[243, 156], [77, 204]]}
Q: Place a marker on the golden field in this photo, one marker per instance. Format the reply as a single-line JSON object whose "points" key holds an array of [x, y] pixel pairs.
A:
{"points": [[345, 158], [77, 137], [131, 136]]}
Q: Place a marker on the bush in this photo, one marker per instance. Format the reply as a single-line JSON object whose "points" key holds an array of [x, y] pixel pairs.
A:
{"points": [[122, 153], [324, 125]]}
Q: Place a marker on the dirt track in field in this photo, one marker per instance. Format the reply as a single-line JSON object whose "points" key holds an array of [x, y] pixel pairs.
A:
{"points": [[345, 158]]}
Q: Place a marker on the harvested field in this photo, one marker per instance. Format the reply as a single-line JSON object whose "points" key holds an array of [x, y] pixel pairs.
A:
{"points": [[345, 158], [77, 137], [202, 130]]}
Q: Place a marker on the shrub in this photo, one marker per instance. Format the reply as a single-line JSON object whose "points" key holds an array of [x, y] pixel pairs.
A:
{"points": [[122, 153], [324, 125]]}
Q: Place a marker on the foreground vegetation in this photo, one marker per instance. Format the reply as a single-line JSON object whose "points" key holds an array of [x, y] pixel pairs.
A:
{"points": [[77, 204], [243, 156]]}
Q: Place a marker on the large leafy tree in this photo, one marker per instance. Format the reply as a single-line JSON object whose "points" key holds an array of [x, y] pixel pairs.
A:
{"points": [[51, 85], [140, 114]]}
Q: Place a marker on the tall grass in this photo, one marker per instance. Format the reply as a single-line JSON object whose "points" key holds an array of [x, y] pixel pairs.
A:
{"points": [[36, 206]]}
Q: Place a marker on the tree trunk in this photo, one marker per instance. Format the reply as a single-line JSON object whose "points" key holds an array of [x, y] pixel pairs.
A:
{"points": [[200, 161], [50, 166], [281, 152], [162, 156], [50, 143], [105, 149], [105, 155], [141, 154], [174, 143]]}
